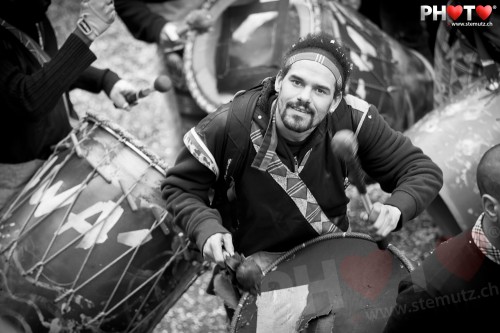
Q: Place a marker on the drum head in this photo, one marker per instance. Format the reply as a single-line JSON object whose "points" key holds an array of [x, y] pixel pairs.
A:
{"points": [[342, 278]]}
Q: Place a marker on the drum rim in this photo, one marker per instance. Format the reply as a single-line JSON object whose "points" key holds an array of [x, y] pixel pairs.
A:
{"points": [[206, 102], [129, 140], [407, 263], [197, 92], [393, 249]]}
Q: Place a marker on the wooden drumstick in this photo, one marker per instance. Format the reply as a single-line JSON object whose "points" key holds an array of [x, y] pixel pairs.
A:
{"points": [[345, 145], [161, 84]]}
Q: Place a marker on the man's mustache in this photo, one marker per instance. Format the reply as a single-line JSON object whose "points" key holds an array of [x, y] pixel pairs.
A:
{"points": [[299, 104]]}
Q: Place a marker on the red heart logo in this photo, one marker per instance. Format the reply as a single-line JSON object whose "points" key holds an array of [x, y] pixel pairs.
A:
{"points": [[464, 267], [454, 11], [367, 275], [483, 11]]}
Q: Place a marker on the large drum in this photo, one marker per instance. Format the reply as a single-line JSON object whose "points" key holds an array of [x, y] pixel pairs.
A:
{"points": [[87, 245], [249, 38], [333, 283], [456, 135]]}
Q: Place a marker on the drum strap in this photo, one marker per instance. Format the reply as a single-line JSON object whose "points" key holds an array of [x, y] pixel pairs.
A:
{"points": [[42, 57], [237, 145]]}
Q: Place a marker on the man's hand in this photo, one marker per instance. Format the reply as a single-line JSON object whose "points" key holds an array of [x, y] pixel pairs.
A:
{"points": [[383, 219], [118, 93], [199, 20], [95, 17], [217, 247]]}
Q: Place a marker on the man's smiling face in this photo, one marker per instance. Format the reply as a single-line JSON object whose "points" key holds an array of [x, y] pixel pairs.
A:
{"points": [[306, 93]]}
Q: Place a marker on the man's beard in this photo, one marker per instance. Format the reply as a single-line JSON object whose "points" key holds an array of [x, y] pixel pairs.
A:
{"points": [[297, 123]]}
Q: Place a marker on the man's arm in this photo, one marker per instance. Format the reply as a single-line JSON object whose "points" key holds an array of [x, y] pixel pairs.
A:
{"points": [[401, 168], [186, 192], [188, 184]]}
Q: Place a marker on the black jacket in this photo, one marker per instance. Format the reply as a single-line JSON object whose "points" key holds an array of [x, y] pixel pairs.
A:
{"points": [[456, 289], [33, 117], [269, 219]]}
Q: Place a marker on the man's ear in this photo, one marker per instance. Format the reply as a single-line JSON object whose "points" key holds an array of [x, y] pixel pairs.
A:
{"points": [[278, 81], [335, 102], [490, 206]]}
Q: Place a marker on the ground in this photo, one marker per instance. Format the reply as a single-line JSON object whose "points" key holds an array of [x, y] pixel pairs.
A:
{"points": [[158, 126]]}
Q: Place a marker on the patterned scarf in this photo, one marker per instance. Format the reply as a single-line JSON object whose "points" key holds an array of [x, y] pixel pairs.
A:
{"points": [[267, 160], [483, 243]]}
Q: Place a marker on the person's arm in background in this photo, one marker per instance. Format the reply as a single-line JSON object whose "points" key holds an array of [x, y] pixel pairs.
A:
{"points": [[95, 80], [151, 27], [142, 23], [36, 94]]}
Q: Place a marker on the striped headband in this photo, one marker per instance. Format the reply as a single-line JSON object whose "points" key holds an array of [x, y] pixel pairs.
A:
{"points": [[320, 56]]}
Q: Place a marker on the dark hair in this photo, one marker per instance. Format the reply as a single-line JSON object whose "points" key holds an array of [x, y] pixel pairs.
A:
{"points": [[328, 44], [488, 172]]}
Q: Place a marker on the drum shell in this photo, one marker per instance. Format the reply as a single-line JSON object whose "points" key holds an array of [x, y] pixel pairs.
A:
{"points": [[388, 75], [345, 274], [455, 136], [57, 272]]}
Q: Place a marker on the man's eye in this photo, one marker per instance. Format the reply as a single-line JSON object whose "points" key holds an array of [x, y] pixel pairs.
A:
{"points": [[321, 91], [296, 82]]}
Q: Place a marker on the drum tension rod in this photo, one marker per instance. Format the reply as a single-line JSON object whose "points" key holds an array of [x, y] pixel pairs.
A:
{"points": [[76, 144], [160, 216], [183, 246], [96, 168], [130, 200]]}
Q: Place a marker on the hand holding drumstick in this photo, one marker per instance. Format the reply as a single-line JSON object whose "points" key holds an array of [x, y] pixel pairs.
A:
{"points": [[383, 218]]}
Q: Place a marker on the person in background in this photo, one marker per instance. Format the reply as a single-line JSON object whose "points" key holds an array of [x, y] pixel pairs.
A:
{"points": [[35, 78], [165, 23], [457, 287], [160, 21], [291, 187]]}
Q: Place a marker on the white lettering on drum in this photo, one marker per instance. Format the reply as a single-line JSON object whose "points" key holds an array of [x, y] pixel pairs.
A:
{"points": [[134, 238], [280, 310], [295, 298], [41, 172], [48, 200], [110, 213]]}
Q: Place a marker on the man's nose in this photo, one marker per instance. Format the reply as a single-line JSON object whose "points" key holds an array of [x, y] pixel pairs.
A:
{"points": [[305, 95]]}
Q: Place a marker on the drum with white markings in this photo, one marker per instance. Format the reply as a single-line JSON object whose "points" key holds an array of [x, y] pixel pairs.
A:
{"points": [[338, 282], [87, 245]]}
